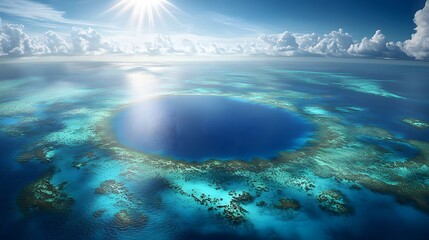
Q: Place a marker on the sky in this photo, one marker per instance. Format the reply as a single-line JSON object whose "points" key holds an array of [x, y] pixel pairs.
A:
{"points": [[364, 28]]}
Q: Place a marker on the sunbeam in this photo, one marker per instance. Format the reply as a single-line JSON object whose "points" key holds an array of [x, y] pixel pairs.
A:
{"points": [[143, 14]]}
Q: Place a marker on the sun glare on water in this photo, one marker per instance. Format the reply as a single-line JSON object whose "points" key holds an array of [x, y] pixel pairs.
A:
{"points": [[143, 14]]}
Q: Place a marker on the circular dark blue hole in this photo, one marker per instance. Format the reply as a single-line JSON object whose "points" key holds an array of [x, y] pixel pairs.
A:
{"points": [[199, 128]]}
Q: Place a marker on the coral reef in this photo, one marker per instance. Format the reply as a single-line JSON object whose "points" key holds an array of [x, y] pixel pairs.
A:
{"points": [[42, 195], [334, 202], [111, 186], [41, 152], [82, 160], [119, 191], [244, 197], [235, 191], [234, 213], [287, 204], [416, 123], [99, 213], [125, 220]]}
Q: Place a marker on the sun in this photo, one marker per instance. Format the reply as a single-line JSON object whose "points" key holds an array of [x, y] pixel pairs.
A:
{"points": [[143, 14]]}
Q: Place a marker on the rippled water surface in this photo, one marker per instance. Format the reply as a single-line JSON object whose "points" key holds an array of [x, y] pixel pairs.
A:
{"points": [[299, 148]]}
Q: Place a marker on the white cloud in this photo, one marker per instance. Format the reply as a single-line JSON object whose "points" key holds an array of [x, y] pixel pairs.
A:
{"points": [[14, 41], [253, 48], [377, 46], [216, 49], [193, 48], [279, 44], [161, 45], [237, 50], [55, 43], [306, 41], [374, 46], [418, 45], [189, 47], [333, 44], [89, 41], [394, 50]]}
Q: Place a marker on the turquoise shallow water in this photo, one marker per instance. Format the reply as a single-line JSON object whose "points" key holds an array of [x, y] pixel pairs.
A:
{"points": [[352, 162]]}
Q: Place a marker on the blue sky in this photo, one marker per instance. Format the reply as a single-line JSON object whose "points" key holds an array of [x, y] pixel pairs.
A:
{"points": [[234, 17], [360, 18], [334, 28]]}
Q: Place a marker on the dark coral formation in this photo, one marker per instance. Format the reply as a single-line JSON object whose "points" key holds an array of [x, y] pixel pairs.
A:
{"points": [[287, 204], [244, 197], [82, 160], [99, 213], [304, 184], [261, 204], [416, 123], [111, 186], [231, 210], [234, 213], [334, 202], [38, 152], [125, 220], [129, 216], [124, 197], [42, 195]]}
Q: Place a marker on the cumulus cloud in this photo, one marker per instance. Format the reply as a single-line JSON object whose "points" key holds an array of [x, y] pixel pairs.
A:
{"points": [[89, 41], [305, 41], [418, 45], [374, 46], [161, 45], [237, 50], [335, 44], [14, 41], [193, 48], [189, 47], [216, 49], [279, 44], [55, 43]]}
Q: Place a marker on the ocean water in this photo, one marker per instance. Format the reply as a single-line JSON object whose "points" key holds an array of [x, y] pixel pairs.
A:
{"points": [[259, 148], [198, 128]]}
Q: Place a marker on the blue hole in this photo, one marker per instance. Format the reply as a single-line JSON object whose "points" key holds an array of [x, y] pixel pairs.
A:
{"points": [[200, 128]]}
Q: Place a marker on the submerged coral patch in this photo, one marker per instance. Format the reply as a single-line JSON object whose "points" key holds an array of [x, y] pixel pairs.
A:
{"points": [[287, 204], [420, 124], [334, 202], [125, 220], [42, 195]]}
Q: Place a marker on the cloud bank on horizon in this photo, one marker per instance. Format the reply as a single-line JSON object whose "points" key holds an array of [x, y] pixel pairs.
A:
{"points": [[14, 41]]}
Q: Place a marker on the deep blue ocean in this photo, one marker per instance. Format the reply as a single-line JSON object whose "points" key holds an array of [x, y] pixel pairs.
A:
{"points": [[163, 148], [198, 128]]}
